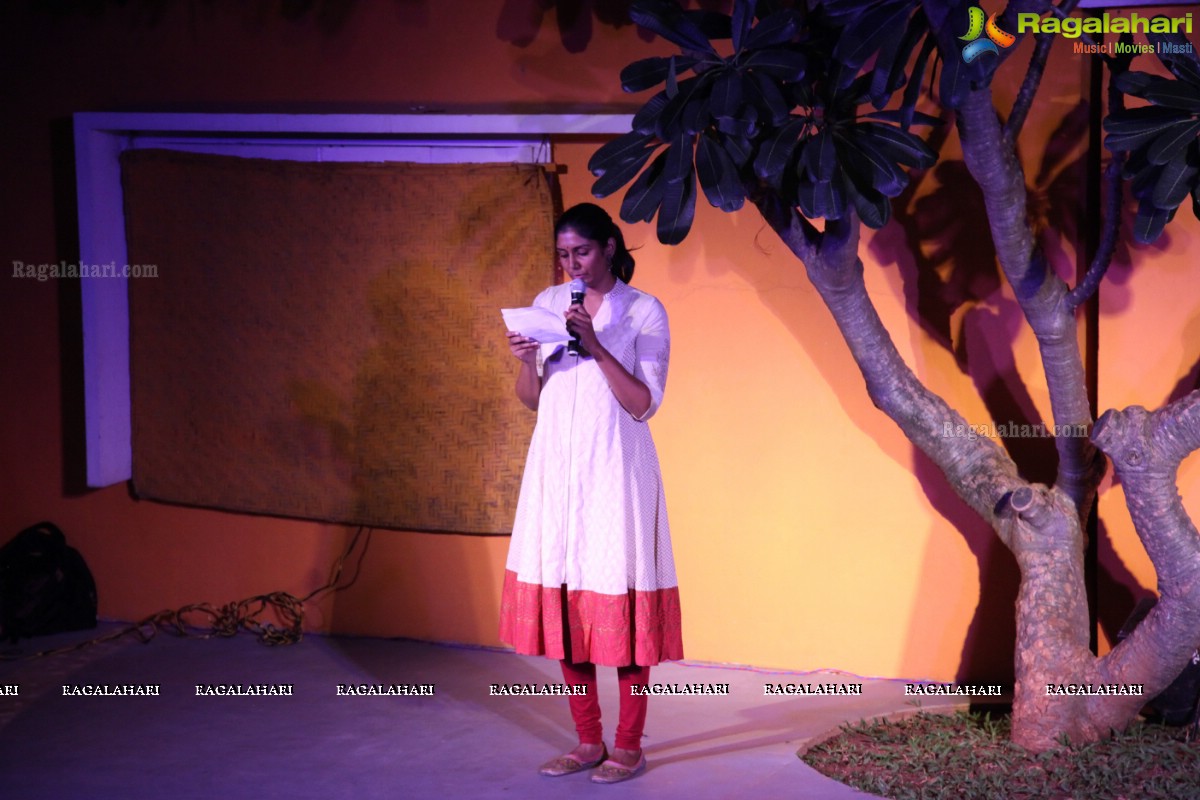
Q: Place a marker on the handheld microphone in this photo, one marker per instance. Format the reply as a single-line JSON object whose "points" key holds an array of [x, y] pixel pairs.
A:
{"points": [[577, 290]]}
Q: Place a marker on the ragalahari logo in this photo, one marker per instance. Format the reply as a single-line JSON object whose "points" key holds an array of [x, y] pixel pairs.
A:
{"points": [[980, 23]]}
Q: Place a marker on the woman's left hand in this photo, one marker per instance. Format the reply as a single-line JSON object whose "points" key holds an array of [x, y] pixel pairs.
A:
{"points": [[579, 322]]}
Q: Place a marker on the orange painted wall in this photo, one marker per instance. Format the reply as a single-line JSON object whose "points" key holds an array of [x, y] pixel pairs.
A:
{"points": [[807, 532]]}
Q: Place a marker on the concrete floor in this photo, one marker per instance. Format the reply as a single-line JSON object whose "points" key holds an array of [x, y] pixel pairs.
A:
{"points": [[460, 742]]}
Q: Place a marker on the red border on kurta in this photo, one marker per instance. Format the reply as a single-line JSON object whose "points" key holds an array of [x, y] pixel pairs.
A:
{"points": [[601, 627]]}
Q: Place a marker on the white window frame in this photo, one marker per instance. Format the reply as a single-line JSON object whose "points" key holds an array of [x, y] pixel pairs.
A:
{"points": [[101, 137]]}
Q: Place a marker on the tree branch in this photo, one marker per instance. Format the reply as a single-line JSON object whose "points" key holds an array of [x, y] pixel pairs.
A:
{"points": [[1146, 450], [975, 466], [1110, 233], [1029, 87], [1114, 195], [1034, 73], [1041, 294]]}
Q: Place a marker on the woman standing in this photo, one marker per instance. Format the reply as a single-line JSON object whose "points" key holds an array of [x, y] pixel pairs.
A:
{"points": [[590, 578]]}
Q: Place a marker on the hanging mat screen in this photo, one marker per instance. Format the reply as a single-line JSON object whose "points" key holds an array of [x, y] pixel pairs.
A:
{"points": [[323, 340]]}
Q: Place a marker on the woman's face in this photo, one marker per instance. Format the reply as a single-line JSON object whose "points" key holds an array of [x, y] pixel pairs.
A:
{"points": [[585, 259]]}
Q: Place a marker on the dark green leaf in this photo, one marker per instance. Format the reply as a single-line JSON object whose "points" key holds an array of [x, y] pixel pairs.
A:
{"points": [[644, 196], [1121, 142], [718, 176], [881, 71], [670, 121], [786, 65], [743, 18], [866, 33], [820, 156], [775, 153], [773, 30], [617, 175], [846, 99], [1150, 221], [696, 114], [680, 156], [647, 72], [1132, 128], [1131, 120], [918, 118], [843, 12], [867, 166], [668, 21], [821, 199], [1171, 142], [646, 119], [769, 98], [901, 146], [739, 149], [839, 189], [912, 92], [808, 201], [918, 28], [873, 208], [727, 93], [678, 207], [1176, 182], [1132, 82], [1173, 94], [1135, 162], [745, 126], [831, 197], [1144, 182], [625, 147]]}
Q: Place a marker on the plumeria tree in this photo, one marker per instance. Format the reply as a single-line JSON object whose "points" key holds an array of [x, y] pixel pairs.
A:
{"points": [[808, 112]]}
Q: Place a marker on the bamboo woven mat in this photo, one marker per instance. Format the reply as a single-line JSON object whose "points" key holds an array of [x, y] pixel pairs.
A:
{"points": [[323, 340]]}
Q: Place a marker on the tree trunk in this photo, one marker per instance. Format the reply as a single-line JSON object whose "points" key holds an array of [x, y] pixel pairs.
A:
{"points": [[1042, 526], [1052, 618]]}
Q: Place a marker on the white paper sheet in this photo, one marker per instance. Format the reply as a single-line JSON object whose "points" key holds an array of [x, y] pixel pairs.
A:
{"points": [[537, 323]]}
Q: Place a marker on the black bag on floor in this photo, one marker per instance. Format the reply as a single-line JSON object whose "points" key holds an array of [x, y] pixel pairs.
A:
{"points": [[45, 586]]}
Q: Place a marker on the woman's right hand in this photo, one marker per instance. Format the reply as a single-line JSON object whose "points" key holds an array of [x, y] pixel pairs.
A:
{"points": [[524, 348]]}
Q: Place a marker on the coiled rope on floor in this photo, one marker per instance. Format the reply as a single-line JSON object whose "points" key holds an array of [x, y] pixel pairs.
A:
{"points": [[205, 621]]}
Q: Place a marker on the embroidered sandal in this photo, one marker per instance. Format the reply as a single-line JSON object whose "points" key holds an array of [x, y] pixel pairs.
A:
{"points": [[569, 764], [615, 772]]}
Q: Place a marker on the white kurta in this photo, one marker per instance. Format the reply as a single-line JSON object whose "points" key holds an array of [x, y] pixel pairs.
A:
{"points": [[592, 515]]}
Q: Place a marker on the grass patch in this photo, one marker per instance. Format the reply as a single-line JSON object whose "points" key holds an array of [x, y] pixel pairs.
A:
{"points": [[970, 757]]}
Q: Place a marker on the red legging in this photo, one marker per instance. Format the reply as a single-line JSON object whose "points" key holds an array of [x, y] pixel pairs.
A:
{"points": [[585, 709]]}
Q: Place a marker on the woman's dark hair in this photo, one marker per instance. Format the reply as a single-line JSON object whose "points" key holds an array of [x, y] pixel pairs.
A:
{"points": [[592, 222]]}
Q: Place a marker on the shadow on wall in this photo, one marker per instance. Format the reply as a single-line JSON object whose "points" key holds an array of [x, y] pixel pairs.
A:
{"points": [[521, 20]]}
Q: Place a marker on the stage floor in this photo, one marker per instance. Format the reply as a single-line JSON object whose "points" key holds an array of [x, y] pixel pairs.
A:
{"points": [[60, 741]]}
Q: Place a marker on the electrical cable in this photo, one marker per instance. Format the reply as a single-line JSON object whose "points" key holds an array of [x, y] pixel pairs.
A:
{"points": [[204, 621]]}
